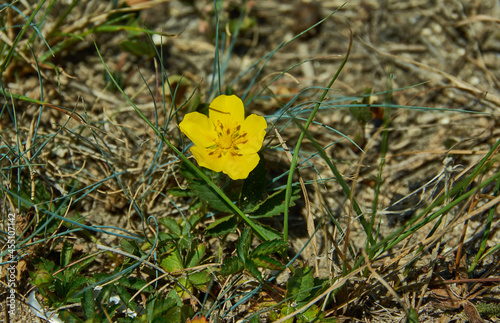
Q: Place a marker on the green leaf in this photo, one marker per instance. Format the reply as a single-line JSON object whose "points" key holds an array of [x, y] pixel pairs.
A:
{"points": [[300, 286], [250, 266], [125, 297], [68, 317], [42, 277], [105, 294], [157, 307], [136, 284], [253, 191], [246, 24], [310, 315], [412, 316], [268, 232], [174, 315], [172, 262], [205, 192], [274, 204], [244, 244], [222, 226], [267, 262], [183, 287], [75, 285], [172, 226], [195, 256], [193, 221], [66, 253], [131, 247], [88, 304], [200, 279], [138, 48], [362, 113], [270, 247], [231, 266]]}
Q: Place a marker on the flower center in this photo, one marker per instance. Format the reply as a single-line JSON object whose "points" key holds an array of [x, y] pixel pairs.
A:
{"points": [[228, 140], [225, 141]]}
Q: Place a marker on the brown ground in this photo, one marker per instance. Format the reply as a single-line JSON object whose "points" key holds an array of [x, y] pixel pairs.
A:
{"points": [[434, 54]]}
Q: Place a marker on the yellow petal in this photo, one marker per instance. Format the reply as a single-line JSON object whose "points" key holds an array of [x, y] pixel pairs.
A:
{"points": [[238, 167], [199, 129], [206, 160], [228, 109], [255, 128]]}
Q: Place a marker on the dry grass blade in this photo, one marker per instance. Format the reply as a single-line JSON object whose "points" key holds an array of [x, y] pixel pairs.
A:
{"points": [[456, 82]]}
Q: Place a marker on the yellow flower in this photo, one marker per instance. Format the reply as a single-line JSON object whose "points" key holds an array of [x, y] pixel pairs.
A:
{"points": [[225, 141]]}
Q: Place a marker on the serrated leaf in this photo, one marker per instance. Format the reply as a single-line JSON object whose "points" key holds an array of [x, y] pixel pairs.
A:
{"points": [[131, 247], [208, 195], [157, 307], [185, 291], [193, 221], [270, 247], [173, 262], [274, 204], [204, 191], [311, 314], [172, 226], [88, 304], [66, 253], [67, 316], [200, 279], [250, 266], [244, 244], [300, 285], [267, 262], [136, 284], [222, 226], [174, 315], [268, 232], [231, 266], [75, 285], [195, 256], [125, 296], [105, 294]]}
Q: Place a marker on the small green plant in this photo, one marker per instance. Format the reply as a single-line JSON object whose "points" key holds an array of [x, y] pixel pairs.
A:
{"points": [[252, 260]]}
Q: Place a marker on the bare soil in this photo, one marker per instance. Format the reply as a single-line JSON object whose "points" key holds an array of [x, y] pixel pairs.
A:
{"points": [[439, 61]]}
